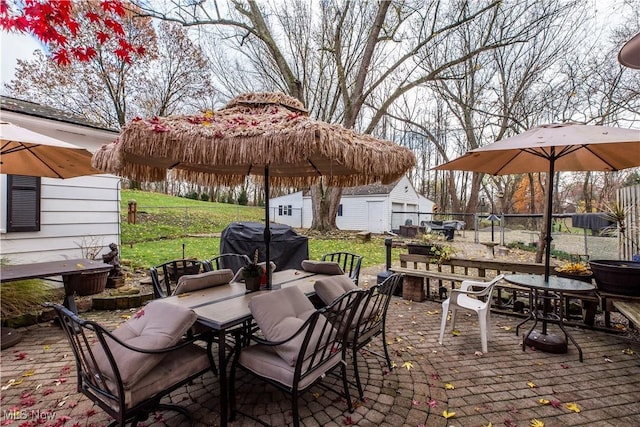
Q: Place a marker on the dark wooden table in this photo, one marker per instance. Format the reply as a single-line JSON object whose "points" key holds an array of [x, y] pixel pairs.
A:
{"points": [[65, 268]]}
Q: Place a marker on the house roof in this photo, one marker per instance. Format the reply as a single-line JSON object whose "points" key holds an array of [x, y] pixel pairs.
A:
{"points": [[364, 190], [37, 110]]}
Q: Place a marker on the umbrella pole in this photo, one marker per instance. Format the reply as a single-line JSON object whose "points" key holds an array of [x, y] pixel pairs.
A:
{"points": [[267, 228], [548, 238]]}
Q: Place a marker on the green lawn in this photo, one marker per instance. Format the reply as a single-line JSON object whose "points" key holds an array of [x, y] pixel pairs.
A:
{"points": [[166, 226]]}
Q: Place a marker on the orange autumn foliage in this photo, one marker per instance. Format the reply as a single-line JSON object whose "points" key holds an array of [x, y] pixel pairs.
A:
{"points": [[522, 196]]}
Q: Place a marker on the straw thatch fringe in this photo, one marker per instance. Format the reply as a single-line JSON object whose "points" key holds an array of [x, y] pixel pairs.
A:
{"points": [[266, 98], [222, 147]]}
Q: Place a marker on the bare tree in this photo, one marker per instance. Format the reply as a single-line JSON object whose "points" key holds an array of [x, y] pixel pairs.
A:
{"points": [[180, 79], [354, 61], [97, 89]]}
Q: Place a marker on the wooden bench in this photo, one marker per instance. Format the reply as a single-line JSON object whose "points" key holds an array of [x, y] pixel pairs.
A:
{"points": [[629, 309], [414, 280], [510, 298], [417, 269]]}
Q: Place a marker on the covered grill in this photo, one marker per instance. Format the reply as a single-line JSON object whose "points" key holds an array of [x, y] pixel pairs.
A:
{"points": [[288, 248]]}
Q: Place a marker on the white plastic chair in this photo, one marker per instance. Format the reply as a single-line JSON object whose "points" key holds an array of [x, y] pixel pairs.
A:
{"points": [[467, 298]]}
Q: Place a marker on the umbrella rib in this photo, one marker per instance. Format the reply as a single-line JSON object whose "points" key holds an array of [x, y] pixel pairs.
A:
{"points": [[43, 162], [314, 167], [588, 148], [14, 149], [506, 163]]}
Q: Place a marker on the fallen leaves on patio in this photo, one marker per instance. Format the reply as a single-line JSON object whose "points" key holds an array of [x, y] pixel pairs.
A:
{"points": [[449, 386], [455, 333], [448, 414], [408, 365], [572, 406], [628, 351], [536, 423], [531, 384]]}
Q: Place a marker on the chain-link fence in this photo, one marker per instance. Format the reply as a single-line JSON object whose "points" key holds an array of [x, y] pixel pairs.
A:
{"points": [[597, 243]]}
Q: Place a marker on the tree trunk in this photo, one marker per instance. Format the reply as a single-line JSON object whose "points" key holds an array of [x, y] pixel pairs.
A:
{"points": [[324, 202]]}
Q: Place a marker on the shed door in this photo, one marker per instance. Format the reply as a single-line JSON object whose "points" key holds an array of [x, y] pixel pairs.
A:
{"points": [[376, 217]]}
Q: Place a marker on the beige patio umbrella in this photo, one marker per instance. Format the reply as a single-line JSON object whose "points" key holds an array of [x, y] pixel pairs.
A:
{"points": [[24, 152], [268, 135], [629, 55], [551, 148]]}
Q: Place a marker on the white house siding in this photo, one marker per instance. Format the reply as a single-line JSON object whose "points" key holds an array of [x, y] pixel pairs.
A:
{"points": [[405, 199], [295, 218], [425, 206], [371, 212], [71, 211], [307, 212], [356, 215]]}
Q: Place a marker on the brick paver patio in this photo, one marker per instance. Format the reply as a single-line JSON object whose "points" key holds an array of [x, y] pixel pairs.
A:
{"points": [[503, 387]]}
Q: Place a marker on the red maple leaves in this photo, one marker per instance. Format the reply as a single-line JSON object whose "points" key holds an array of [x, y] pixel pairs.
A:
{"points": [[57, 24]]}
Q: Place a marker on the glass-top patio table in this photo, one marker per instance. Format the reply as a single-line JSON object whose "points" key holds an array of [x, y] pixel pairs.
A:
{"points": [[545, 291], [226, 307]]}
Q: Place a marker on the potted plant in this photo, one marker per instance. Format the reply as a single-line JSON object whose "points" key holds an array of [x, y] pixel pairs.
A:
{"points": [[627, 233], [577, 270], [252, 273], [84, 284]]}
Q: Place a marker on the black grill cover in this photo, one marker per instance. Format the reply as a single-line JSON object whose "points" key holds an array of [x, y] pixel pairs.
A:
{"points": [[288, 248]]}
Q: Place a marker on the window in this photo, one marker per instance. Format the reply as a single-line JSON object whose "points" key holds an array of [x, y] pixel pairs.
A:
{"points": [[23, 203], [285, 210], [340, 209]]}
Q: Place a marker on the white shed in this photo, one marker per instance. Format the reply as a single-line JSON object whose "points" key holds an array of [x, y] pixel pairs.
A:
{"points": [[376, 208], [72, 212]]}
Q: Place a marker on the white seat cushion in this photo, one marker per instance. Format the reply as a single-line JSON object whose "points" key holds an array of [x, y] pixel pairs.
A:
{"points": [[279, 314], [322, 267], [266, 362], [330, 288], [156, 326], [194, 282]]}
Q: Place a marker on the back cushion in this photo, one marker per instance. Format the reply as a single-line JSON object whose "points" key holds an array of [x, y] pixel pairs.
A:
{"points": [[156, 326], [279, 314], [194, 282], [330, 288], [322, 267]]}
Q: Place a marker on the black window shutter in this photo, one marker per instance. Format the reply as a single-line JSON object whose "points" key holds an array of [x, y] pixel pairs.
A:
{"points": [[23, 203]]}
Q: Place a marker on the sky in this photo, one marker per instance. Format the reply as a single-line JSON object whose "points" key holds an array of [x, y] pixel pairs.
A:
{"points": [[21, 46], [13, 47]]}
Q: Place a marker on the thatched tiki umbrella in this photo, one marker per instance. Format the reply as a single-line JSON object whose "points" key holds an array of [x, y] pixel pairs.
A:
{"points": [[269, 135]]}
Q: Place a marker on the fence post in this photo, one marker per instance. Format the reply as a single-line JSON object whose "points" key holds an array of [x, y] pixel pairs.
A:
{"points": [[132, 206]]}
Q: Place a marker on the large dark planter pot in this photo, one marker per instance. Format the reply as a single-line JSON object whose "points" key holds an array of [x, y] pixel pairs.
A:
{"points": [[617, 277], [419, 249]]}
